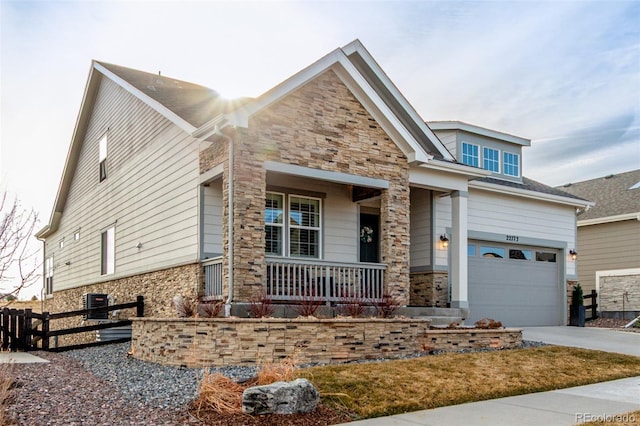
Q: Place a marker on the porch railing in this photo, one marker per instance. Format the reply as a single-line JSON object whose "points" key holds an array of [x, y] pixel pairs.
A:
{"points": [[298, 280], [213, 277]]}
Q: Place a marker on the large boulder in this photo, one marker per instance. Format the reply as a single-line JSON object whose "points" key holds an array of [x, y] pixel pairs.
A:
{"points": [[298, 396]]}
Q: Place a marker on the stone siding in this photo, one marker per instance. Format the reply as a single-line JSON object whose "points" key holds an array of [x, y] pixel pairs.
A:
{"points": [[429, 289], [322, 126], [612, 292], [158, 289], [196, 342]]}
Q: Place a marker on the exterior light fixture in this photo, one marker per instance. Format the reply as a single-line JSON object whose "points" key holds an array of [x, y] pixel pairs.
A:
{"points": [[445, 240], [574, 254]]}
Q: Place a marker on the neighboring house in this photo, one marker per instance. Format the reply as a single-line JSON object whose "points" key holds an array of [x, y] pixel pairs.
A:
{"points": [[609, 240], [329, 185]]}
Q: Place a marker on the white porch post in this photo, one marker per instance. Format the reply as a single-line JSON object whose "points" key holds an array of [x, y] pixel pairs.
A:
{"points": [[458, 247]]}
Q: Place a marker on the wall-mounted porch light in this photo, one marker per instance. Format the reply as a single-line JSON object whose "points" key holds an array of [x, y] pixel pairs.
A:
{"points": [[445, 240], [574, 254]]}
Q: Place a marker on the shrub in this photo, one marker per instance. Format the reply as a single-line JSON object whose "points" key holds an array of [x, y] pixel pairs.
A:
{"points": [[351, 306], [577, 298], [387, 306], [219, 393], [186, 308], [260, 305], [309, 305], [211, 308], [282, 371]]}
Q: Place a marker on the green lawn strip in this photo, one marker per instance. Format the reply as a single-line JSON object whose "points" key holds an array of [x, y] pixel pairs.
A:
{"points": [[386, 388]]}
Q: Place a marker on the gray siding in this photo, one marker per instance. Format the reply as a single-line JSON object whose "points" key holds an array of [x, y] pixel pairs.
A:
{"points": [[420, 250], [212, 227], [449, 140], [150, 194], [606, 247]]}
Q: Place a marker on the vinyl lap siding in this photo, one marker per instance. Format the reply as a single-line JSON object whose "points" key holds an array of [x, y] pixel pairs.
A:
{"points": [[150, 194], [605, 247], [420, 251], [213, 209]]}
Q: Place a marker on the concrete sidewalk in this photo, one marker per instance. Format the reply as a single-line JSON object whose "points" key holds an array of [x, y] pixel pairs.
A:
{"points": [[19, 358], [561, 407]]}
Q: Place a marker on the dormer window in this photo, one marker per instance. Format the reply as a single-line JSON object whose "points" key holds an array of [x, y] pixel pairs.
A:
{"points": [[102, 148], [511, 164], [470, 155], [491, 159]]}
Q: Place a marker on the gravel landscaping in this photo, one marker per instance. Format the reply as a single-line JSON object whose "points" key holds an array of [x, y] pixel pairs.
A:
{"points": [[105, 386]]}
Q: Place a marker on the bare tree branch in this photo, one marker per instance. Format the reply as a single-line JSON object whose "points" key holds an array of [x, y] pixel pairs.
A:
{"points": [[19, 262]]}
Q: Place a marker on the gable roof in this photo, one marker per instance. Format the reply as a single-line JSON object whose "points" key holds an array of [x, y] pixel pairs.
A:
{"points": [[614, 199], [369, 84], [201, 112], [191, 102], [478, 130]]}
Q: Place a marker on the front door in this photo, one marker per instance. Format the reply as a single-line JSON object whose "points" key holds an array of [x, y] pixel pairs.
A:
{"points": [[369, 238]]}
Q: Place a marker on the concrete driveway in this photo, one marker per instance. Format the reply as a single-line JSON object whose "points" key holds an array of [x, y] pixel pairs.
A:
{"points": [[601, 339]]}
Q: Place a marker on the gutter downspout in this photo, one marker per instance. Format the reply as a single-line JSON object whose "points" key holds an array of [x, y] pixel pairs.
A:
{"points": [[227, 306]]}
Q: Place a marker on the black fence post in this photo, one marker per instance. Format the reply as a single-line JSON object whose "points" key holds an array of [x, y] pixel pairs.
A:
{"points": [[26, 339], [140, 306], [45, 331], [594, 304], [5, 329], [13, 332]]}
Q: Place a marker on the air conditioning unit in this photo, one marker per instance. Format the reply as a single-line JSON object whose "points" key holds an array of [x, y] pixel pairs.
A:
{"points": [[95, 300]]}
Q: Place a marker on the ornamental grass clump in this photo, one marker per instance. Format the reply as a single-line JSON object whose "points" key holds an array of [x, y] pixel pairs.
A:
{"points": [[219, 393]]}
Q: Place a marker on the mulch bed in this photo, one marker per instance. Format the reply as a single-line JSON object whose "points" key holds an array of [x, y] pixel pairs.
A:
{"points": [[322, 416]]}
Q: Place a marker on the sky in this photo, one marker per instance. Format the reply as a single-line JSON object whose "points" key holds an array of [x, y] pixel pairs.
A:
{"points": [[565, 74]]}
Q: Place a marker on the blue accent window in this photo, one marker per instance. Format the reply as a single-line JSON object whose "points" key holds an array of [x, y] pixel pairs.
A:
{"points": [[470, 154], [491, 159], [511, 164]]}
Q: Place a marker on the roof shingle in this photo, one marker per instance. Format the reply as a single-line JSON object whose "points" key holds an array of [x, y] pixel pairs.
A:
{"points": [[612, 194]]}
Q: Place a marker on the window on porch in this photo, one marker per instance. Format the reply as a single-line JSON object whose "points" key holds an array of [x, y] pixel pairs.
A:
{"points": [[300, 236]]}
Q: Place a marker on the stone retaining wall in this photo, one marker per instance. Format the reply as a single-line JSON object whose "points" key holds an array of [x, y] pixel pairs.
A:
{"points": [[198, 342]]}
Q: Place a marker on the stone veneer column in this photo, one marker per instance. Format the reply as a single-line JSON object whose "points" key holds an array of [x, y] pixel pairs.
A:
{"points": [[394, 221]]}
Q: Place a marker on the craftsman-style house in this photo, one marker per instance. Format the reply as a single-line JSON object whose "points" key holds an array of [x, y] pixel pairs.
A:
{"points": [[330, 185]]}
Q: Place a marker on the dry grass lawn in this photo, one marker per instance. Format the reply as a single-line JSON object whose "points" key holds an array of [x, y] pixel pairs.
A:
{"points": [[381, 389]]}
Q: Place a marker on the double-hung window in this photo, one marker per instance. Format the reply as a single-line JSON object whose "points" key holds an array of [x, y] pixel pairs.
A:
{"points": [[107, 251], [491, 159], [470, 154], [511, 164], [300, 235]]}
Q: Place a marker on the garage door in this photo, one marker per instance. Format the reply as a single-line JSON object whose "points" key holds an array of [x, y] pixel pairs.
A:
{"points": [[517, 285]]}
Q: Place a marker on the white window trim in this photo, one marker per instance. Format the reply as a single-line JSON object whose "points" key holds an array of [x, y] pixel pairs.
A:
{"points": [[109, 251], [505, 164], [48, 276], [499, 151], [282, 225], [463, 155], [313, 228], [102, 157], [286, 226]]}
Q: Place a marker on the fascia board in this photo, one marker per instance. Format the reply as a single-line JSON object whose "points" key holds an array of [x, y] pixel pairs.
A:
{"points": [[470, 128], [528, 194], [609, 219], [380, 111], [240, 117], [471, 172], [357, 47], [356, 83], [161, 109]]}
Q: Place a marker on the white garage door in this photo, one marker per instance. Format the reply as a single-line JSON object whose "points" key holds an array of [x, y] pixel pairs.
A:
{"points": [[517, 285]]}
